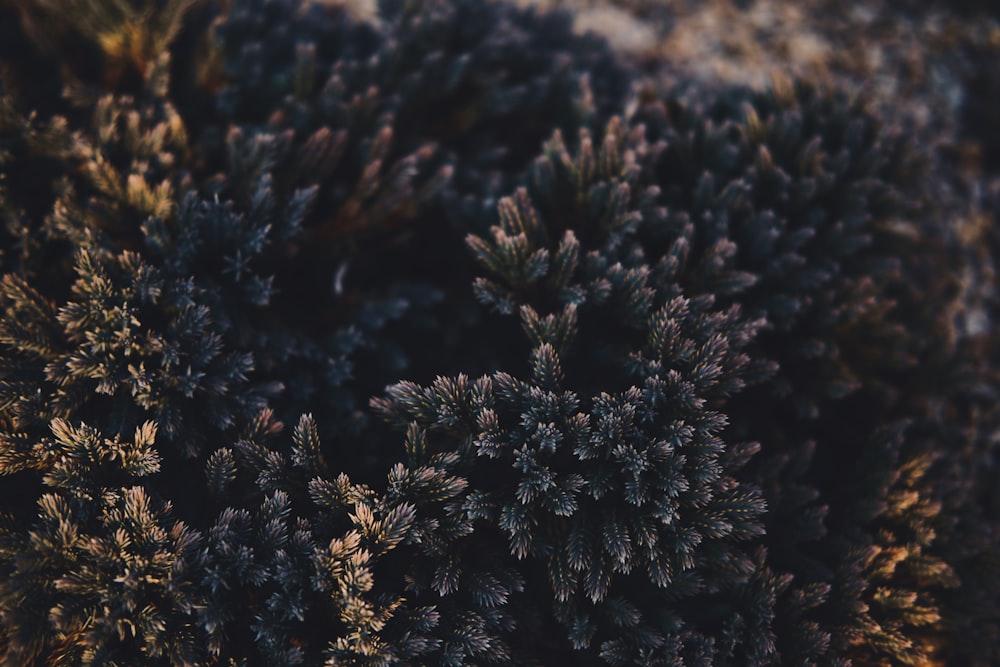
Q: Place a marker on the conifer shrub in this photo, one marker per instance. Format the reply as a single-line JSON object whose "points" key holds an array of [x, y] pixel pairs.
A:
{"points": [[450, 340]]}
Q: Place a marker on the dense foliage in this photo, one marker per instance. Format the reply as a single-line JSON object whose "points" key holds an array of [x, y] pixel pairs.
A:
{"points": [[450, 340]]}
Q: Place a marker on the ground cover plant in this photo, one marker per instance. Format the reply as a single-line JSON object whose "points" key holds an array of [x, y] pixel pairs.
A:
{"points": [[454, 339]]}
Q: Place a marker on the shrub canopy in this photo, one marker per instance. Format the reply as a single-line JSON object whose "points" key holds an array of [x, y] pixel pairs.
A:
{"points": [[453, 340]]}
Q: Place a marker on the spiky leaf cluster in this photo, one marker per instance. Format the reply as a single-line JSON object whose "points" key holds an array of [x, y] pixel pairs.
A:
{"points": [[606, 496], [760, 239]]}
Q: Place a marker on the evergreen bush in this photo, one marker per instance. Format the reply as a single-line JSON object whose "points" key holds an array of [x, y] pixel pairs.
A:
{"points": [[449, 339]]}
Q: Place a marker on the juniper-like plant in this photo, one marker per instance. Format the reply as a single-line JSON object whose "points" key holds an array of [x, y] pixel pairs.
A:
{"points": [[449, 339]]}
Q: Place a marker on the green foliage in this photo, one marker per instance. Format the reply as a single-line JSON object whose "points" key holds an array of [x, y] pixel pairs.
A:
{"points": [[581, 368]]}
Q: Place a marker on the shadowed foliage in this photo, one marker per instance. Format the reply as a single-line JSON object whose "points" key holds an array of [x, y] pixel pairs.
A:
{"points": [[449, 339]]}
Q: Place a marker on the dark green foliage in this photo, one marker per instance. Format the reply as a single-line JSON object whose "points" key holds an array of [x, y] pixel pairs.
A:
{"points": [[581, 369]]}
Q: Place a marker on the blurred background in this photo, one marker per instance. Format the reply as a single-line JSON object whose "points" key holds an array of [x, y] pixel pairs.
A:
{"points": [[929, 67]]}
